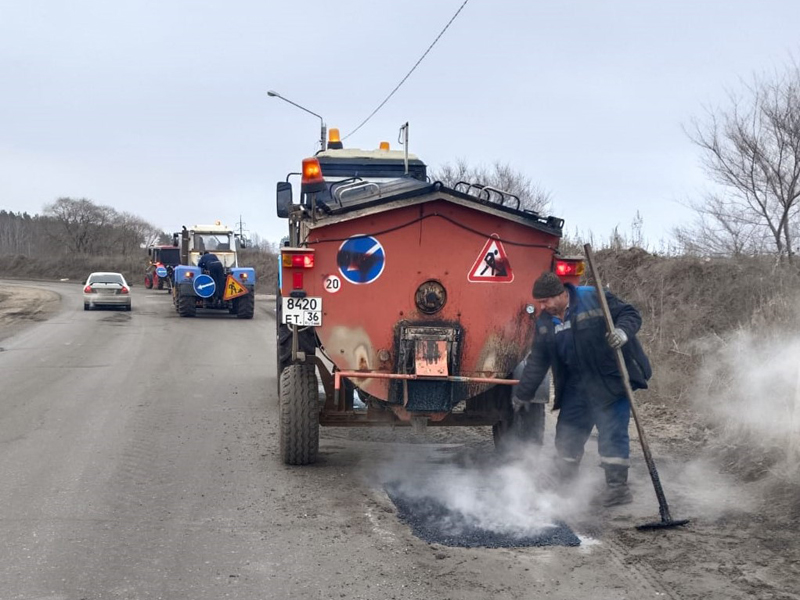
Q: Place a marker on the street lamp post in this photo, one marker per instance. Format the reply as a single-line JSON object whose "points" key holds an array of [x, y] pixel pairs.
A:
{"points": [[274, 94]]}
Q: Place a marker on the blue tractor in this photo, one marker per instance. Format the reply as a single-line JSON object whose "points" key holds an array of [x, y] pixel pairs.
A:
{"points": [[225, 286]]}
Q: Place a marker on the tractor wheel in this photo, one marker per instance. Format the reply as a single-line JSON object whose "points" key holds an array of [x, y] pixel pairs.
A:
{"points": [[186, 305], [148, 282], [245, 306], [299, 410], [160, 283]]}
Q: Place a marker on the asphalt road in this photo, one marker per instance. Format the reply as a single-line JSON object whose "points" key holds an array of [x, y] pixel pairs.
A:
{"points": [[139, 460]]}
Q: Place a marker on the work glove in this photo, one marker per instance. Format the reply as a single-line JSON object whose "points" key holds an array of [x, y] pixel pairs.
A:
{"points": [[518, 404], [617, 338]]}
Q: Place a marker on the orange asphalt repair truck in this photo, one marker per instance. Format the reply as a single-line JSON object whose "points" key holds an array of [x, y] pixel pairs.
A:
{"points": [[414, 295]]}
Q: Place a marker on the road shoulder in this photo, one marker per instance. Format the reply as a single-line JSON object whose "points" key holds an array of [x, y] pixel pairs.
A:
{"points": [[22, 306]]}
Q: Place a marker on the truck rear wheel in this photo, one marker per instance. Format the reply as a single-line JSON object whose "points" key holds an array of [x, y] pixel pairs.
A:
{"points": [[245, 306], [525, 426], [186, 305], [299, 411]]}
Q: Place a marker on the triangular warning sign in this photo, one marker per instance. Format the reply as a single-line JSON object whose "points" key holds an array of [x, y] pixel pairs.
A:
{"points": [[233, 289], [492, 265]]}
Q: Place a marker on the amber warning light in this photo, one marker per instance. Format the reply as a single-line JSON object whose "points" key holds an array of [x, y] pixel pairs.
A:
{"points": [[312, 181], [567, 268], [334, 140]]}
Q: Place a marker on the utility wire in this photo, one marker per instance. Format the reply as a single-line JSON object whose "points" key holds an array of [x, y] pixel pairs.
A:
{"points": [[402, 81]]}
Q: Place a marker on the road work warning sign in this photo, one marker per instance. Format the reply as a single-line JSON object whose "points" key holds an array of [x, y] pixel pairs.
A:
{"points": [[492, 265], [233, 289]]}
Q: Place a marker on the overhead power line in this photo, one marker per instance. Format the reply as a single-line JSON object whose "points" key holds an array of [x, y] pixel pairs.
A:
{"points": [[402, 81]]}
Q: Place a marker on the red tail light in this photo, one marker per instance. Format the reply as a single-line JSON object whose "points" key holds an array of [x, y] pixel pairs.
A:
{"points": [[569, 268], [88, 290], [304, 260], [124, 290]]}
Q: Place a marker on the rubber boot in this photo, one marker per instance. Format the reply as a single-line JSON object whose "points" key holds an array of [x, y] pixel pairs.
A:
{"points": [[617, 491]]}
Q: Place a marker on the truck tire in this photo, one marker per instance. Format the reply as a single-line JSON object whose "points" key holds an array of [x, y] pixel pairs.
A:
{"points": [[148, 282], [245, 306], [299, 412], [186, 305], [525, 426]]}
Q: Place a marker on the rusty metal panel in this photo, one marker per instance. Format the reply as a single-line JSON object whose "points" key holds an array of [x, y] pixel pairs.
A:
{"points": [[431, 358], [439, 241]]}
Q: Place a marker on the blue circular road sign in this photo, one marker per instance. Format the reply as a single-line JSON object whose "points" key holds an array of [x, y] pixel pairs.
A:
{"points": [[361, 259], [204, 286], [161, 272]]}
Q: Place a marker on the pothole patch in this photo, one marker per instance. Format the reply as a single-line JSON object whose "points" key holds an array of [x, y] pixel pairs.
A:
{"points": [[433, 522]]}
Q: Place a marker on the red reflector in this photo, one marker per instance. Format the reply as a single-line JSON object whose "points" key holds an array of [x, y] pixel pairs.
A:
{"points": [[297, 280], [88, 290]]}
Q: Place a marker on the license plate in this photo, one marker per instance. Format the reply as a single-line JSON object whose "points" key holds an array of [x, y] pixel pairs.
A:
{"points": [[302, 311]]}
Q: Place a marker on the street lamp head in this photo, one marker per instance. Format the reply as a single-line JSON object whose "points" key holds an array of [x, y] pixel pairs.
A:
{"points": [[274, 94]]}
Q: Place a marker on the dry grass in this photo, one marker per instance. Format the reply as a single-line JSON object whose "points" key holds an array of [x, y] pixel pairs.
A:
{"points": [[690, 304], [74, 268]]}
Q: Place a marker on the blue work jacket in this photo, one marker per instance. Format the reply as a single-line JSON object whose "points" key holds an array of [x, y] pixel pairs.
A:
{"points": [[592, 367]]}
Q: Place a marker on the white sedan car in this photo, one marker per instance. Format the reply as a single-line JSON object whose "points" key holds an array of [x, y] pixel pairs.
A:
{"points": [[106, 289]]}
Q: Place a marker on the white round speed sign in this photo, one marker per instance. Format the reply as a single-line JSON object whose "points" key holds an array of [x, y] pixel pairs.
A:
{"points": [[332, 284]]}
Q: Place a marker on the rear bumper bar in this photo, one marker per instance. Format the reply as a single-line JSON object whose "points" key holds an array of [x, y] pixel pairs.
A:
{"points": [[337, 377]]}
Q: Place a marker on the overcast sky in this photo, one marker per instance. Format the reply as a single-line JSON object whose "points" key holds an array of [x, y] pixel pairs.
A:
{"points": [[160, 107]]}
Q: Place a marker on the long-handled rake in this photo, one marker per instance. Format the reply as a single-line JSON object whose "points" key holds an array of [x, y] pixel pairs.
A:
{"points": [[663, 507]]}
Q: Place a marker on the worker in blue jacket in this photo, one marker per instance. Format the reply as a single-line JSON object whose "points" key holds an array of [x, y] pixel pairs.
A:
{"points": [[571, 338], [211, 264]]}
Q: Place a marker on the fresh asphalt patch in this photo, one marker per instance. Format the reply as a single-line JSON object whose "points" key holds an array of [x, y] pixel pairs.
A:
{"points": [[433, 522]]}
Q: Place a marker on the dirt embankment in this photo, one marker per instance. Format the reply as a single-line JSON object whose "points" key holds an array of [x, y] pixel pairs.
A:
{"points": [[20, 306]]}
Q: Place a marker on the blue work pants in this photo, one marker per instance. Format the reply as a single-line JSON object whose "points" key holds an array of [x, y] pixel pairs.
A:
{"points": [[579, 414]]}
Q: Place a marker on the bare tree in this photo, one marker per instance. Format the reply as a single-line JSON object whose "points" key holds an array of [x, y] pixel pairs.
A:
{"points": [[83, 227], [500, 176], [719, 230], [77, 222], [753, 151]]}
